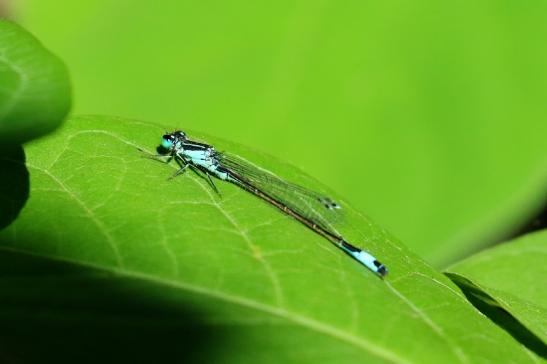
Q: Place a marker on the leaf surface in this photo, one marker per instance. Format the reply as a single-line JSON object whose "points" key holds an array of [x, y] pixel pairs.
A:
{"points": [[34, 86], [513, 277], [277, 290]]}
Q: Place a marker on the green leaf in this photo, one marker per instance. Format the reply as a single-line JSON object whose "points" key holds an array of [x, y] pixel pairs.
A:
{"points": [[511, 276], [34, 87], [276, 291], [429, 117], [58, 312]]}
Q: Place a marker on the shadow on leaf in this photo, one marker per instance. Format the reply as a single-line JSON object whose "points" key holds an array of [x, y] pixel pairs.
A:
{"points": [[490, 308], [52, 311], [14, 184]]}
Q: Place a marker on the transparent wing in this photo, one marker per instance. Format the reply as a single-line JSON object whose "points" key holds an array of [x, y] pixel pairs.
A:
{"points": [[314, 206]]}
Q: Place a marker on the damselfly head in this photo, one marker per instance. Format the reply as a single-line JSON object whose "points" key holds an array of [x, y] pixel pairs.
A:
{"points": [[170, 140]]}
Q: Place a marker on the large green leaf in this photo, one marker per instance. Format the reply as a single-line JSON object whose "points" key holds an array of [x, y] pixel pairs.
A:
{"points": [[34, 87], [429, 116], [511, 276], [34, 99], [276, 291]]}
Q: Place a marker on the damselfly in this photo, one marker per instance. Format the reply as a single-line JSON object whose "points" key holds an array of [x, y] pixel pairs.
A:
{"points": [[310, 208]]}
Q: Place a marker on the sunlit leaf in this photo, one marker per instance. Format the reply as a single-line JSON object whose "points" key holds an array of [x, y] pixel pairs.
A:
{"points": [[511, 276], [34, 87], [275, 290]]}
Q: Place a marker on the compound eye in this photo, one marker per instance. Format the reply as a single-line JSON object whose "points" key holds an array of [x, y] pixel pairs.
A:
{"points": [[167, 142]]}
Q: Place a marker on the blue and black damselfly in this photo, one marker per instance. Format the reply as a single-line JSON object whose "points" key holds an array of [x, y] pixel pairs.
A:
{"points": [[310, 208]]}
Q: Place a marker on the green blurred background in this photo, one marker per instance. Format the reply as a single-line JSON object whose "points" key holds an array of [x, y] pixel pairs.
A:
{"points": [[428, 116]]}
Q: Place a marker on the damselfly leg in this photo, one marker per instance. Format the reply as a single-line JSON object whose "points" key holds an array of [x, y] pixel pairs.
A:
{"points": [[179, 171], [157, 157], [212, 183]]}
